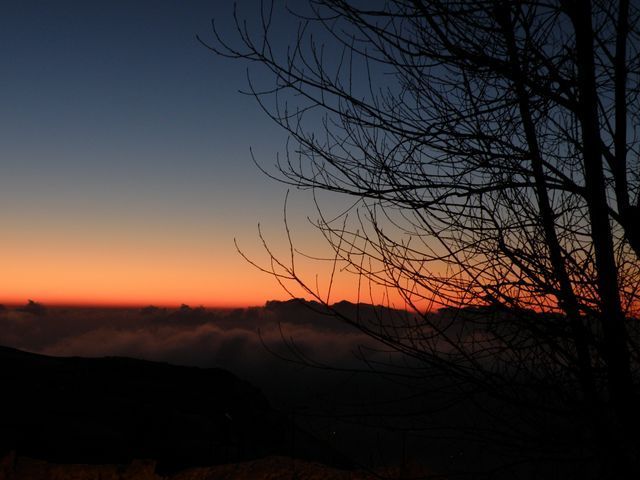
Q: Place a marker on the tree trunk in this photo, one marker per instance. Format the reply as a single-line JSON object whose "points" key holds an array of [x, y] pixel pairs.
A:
{"points": [[612, 319]]}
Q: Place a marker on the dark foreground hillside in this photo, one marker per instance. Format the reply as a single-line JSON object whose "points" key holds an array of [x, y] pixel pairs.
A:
{"points": [[269, 468], [115, 410]]}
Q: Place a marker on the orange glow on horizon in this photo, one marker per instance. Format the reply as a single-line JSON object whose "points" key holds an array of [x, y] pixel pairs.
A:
{"points": [[248, 288], [101, 268], [60, 281], [266, 290], [71, 302]]}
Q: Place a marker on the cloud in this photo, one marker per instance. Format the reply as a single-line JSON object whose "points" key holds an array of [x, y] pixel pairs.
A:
{"points": [[234, 339], [251, 343]]}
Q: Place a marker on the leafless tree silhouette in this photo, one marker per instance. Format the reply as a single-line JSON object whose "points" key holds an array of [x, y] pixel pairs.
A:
{"points": [[491, 147]]}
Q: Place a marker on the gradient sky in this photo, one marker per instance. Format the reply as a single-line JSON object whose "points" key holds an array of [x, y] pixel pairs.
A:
{"points": [[125, 165]]}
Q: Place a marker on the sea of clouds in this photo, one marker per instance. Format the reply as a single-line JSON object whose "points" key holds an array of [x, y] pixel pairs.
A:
{"points": [[309, 363], [271, 346]]}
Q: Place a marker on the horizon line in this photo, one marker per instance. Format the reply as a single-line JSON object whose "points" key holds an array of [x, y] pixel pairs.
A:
{"points": [[123, 304]]}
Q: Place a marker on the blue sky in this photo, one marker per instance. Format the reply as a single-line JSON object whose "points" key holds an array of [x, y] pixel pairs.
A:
{"points": [[124, 139]]}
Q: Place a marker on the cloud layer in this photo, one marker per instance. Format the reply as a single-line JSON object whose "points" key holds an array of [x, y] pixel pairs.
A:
{"points": [[249, 342]]}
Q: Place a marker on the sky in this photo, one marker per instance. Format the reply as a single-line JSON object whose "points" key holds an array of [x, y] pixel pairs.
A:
{"points": [[125, 164]]}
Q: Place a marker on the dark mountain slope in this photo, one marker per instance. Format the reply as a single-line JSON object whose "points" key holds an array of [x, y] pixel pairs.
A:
{"points": [[114, 410]]}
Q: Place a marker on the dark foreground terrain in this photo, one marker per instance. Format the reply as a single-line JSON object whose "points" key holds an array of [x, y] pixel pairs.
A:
{"points": [[269, 468], [115, 410]]}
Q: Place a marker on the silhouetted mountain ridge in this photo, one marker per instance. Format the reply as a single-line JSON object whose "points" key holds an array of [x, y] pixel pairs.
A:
{"points": [[342, 316], [116, 409]]}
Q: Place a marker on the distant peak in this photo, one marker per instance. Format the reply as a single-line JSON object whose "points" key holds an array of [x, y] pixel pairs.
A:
{"points": [[33, 307]]}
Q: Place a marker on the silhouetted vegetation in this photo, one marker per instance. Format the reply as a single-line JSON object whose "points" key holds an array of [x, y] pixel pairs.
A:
{"points": [[491, 153]]}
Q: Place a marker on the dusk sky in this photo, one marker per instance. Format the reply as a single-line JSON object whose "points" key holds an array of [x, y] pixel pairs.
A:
{"points": [[125, 158]]}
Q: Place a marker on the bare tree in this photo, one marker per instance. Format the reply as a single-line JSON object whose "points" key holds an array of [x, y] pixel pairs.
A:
{"points": [[492, 149]]}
